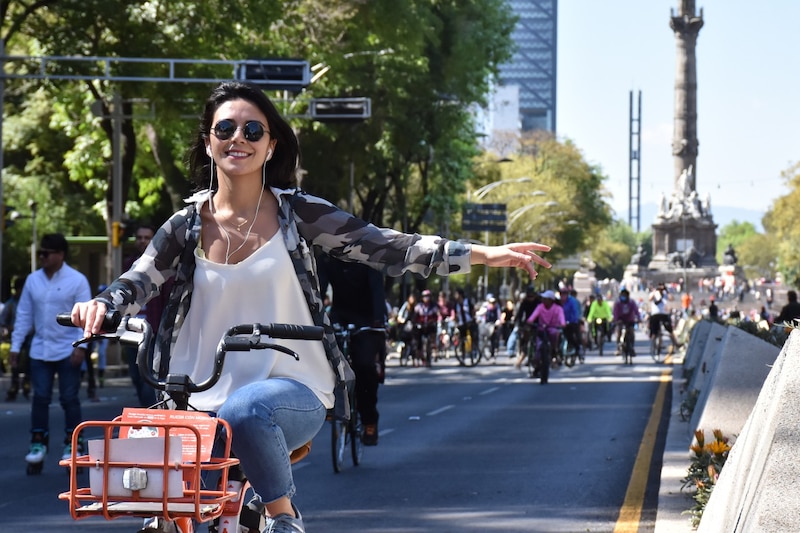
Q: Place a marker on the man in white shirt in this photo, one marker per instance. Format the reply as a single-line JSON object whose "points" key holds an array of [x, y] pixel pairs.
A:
{"points": [[52, 289]]}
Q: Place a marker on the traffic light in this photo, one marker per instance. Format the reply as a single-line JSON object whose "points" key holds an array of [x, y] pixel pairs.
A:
{"points": [[117, 234]]}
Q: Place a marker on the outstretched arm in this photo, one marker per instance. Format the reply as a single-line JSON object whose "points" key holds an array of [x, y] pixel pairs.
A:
{"points": [[520, 255]]}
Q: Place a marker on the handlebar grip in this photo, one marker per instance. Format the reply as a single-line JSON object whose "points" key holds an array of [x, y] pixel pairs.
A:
{"points": [[280, 331], [111, 320], [64, 319], [294, 331]]}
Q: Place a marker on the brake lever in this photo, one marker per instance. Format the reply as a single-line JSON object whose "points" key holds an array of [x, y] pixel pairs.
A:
{"points": [[93, 337], [279, 348]]}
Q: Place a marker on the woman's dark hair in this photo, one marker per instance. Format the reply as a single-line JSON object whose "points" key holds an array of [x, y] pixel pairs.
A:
{"points": [[281, 168]]}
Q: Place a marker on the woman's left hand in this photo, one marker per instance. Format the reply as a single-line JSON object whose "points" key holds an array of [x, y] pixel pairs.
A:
{"points": [[519, 254]]}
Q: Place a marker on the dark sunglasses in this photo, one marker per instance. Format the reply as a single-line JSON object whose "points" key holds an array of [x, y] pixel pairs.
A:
{"points": [[225, 129], [44, 254]]}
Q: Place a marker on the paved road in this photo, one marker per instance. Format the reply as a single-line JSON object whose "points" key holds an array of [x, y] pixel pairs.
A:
{"points": [[480, 449]]}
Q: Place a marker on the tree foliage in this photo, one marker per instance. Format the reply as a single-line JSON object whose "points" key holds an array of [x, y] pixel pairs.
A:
{"points": [[782, 224], [612, 249], [422, 62]]}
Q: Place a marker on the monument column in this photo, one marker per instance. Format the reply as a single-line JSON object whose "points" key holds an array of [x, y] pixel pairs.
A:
{"points": [[684, 233], [686, 26]]}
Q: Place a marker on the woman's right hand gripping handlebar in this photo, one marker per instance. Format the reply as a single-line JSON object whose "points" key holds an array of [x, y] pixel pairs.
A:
{"points": [[89, 316]]}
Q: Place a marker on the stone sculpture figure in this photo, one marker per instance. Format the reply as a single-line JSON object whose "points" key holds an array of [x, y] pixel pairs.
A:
{"points": [[729, 256]]}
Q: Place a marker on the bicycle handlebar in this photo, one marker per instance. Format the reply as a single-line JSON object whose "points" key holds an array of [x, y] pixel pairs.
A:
{"points": [[137, 332]]}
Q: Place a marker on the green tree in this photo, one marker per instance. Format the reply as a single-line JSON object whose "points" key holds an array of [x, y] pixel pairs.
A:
{"points": [[782, 225], [613, 248], [733, 234]]}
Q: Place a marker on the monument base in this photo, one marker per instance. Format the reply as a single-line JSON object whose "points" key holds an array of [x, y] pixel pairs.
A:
{"points": [[696, 236]]}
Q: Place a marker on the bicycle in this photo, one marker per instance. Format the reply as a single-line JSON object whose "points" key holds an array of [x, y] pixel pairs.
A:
{"points": [[161, 478], [408, 349], [576, 352], [347, 433], [626, 343], [657, 332], [540, 353], [600, 333], [489, 340], [425, 333], [468, 351]]}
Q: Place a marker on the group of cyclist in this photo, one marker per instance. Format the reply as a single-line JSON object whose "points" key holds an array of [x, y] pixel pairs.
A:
{"points": [[574, 328], [427, 329]]}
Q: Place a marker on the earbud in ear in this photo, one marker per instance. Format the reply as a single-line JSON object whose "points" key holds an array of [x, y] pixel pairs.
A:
{"points": [[269, 154], [208, 150]]}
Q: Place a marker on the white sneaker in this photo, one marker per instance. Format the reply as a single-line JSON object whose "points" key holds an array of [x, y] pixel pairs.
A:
{"points": [[284, 523], [36, 453]]}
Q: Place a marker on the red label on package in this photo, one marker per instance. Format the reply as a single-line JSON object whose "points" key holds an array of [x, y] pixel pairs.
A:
{"points": [[146, 423]]}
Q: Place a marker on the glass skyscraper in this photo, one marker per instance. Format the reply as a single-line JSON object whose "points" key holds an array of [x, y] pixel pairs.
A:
{"points": [[533, 67]]}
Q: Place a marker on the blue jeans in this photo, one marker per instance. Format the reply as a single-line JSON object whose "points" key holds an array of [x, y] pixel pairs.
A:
{"points": [[269, 419], [69, 383]]}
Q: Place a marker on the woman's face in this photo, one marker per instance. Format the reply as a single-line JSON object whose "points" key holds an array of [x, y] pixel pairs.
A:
{"points": [[236, 155]]}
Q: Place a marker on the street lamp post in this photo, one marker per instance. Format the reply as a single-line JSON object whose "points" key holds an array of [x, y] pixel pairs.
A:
{"points": [[486, 189]]}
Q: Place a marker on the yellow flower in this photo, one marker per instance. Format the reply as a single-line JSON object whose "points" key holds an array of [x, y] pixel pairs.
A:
{"points": [[700, 437], [718, 447]]}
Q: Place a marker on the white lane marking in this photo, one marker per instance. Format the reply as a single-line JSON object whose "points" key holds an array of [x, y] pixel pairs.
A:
{"points": [[440, 410], [489, 391], [383, 432]]}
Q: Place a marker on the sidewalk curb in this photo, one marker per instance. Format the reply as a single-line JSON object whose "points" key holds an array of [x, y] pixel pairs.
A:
{"points": [[672, 501]]}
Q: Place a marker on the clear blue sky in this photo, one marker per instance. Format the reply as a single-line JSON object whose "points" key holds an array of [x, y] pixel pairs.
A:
{"points": [[748, 71]]}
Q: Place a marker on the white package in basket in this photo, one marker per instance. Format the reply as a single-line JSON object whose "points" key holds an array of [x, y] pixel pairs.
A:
{"points": [[136, 451]]}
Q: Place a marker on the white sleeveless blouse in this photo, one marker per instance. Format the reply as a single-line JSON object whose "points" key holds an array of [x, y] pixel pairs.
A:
{"points": [[263, 288]]}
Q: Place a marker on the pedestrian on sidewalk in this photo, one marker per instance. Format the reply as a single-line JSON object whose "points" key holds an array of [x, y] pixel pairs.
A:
{"points": [[54, 288]]}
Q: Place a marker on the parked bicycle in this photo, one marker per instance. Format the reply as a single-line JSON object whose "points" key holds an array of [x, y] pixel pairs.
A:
{"points": [[348, 433], [170, 478]]}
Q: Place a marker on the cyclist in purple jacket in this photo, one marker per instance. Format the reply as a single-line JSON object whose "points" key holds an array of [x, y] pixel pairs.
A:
{"points": [[625, 312]]}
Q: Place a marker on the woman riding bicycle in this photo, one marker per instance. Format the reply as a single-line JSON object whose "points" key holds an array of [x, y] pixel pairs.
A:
{"points": [[241, 252], [550, 315]]}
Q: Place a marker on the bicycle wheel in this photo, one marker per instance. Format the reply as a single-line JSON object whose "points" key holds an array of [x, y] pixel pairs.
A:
{"points": [[405, 350], [338, 443], [428, 350], [474, 356], [531, 356], [628, 345], [468, 352], [546, 355], [356, 429], [655, 347]]}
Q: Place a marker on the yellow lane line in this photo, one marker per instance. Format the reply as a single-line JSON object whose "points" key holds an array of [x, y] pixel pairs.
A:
{"points": [[631, 511]]}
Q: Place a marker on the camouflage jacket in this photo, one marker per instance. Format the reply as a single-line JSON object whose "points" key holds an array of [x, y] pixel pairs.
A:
{"points": [[304, 220]]}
